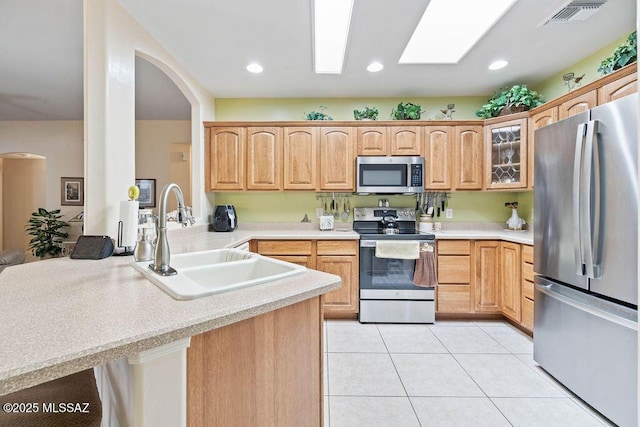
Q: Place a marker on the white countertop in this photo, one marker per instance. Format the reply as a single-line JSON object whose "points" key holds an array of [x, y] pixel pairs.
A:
{"points": [[524, 237], [60, 316]]}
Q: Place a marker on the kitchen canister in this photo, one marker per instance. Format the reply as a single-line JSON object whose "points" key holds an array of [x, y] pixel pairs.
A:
{"points": [[425, 224]]}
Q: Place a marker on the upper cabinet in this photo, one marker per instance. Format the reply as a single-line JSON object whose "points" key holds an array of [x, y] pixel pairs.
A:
{"points": [[337, 159], [438, 155], [300, 158], [618, 88], [467, 164], [578, 104], [506, 154], [224, 158], [538, 120], [264, 158], [373, 141], [405, 140]]}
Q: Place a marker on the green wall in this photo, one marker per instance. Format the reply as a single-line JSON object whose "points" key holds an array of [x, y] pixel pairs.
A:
{"points": [[282, 109], [554, 86], [291, 207]]}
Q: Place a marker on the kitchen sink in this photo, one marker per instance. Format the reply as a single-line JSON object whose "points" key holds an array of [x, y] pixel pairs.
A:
{"points": [[221, 270]]}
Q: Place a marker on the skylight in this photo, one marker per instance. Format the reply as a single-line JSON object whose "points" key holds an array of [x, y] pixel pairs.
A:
{"points": [[331, 31], [450, 28]]}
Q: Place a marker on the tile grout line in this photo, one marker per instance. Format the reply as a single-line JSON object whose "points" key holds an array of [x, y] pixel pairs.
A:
{"points": [[327, 422]]}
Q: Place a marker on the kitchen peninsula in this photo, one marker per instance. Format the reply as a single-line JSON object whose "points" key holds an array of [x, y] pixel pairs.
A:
{"points": [[62, 316]]}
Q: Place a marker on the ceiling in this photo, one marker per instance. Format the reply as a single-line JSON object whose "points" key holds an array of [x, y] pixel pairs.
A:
{"points": [[41, 52]]}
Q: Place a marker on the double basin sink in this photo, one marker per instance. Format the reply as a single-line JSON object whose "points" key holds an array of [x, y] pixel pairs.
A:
{"points": [[216, 271]]}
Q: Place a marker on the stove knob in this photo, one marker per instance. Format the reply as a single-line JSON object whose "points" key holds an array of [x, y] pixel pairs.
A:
{"points": [[357, 214], [412, 213]]}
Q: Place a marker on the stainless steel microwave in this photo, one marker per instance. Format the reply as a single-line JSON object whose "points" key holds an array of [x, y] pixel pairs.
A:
{"points": [[390, 175]]}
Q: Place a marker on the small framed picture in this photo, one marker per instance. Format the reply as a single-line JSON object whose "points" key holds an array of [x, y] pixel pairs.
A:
{"points": [[71, 191], [147, 197]]}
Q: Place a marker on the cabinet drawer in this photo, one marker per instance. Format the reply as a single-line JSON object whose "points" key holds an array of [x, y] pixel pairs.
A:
{"points": [[527, 289], [527, 254], [337, 247], [454, 247], [453, 298], [284, 247], [304, 260], [454, 269], [527, 272], [527, 313]]}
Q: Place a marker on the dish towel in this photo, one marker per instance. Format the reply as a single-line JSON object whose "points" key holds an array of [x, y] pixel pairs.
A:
{"points": [[398, 249], [425, 273]]}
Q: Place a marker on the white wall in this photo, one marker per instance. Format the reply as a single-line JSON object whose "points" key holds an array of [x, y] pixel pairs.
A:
{"points": [[112, 39]]}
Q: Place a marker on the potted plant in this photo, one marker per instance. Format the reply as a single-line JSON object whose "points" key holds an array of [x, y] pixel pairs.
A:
{"points": [[45, 227], [407, 111], [319, 115], [516, 99], [366, 114], [624, 54]]}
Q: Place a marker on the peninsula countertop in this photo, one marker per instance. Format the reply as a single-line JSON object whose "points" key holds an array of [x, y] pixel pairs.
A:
{"points": [[61, 315]]}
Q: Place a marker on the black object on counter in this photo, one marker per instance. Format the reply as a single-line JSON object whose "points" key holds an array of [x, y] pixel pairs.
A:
{"points": [[224, 218], [92, 247]]}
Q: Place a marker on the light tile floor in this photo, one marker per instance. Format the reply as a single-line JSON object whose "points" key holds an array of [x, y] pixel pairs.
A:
{"points": [[446, 374]]}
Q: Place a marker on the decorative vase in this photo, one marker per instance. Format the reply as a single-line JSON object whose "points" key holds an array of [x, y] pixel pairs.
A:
{"points": [[515, 222]]}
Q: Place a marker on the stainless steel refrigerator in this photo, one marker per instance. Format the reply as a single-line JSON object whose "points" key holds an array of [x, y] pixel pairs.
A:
{"points": [[585, 255]]}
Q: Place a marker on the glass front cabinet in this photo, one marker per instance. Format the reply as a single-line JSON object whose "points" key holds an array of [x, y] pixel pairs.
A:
{"points": [[506, 154]]}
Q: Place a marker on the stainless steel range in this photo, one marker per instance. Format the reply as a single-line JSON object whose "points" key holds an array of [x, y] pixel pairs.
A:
{"points": [[387, 292]]}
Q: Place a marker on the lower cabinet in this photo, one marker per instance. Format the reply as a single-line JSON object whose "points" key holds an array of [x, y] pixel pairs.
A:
{"points": [[339, 257], [527, 287], [510, 283], [263, 371], [454, 293], [487, 276]]}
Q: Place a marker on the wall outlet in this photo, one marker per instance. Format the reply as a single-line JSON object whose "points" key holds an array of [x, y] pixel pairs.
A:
{"points": [[319, 212], [448, 213]]}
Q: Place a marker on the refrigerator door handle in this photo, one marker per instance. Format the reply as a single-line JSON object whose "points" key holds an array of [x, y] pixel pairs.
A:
{"points": [[577, 205], [590, 186]]}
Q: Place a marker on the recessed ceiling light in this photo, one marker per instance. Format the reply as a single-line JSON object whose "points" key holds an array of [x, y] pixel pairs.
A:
{"points": [[331, 20], [450, 28], [254, 68], [496, 65], [374, 67]]}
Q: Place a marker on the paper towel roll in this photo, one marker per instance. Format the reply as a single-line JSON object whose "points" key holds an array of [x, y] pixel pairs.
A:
{"points": [[129, 218]]}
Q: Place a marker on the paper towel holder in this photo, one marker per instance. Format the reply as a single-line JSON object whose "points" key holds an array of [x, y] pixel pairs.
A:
{"points": [[120, 249]]}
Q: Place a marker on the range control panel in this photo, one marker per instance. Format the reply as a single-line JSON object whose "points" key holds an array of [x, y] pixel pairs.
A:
{"points": [[376, 214]]}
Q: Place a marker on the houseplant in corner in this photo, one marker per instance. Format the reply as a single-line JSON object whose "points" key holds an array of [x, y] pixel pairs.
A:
{"points": [[624, 54], [407, 111], [516, 99], [366, 114], [319, 115], [45, 227]]}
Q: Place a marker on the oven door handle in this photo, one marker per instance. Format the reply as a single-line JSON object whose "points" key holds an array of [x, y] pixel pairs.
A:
{"points": [[367, 243]]}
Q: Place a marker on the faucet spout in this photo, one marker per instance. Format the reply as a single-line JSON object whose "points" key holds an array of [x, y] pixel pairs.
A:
{"points": [[161, 262]]}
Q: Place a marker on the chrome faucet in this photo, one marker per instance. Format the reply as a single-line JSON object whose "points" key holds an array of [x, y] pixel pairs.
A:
{"points": [[162, 255]]}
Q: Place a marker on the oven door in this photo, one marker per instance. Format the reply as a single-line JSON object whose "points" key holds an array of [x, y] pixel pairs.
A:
{"points": [[388, 278]]}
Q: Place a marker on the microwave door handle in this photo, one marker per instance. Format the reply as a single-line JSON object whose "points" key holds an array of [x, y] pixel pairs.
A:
{"points": [[577, 168], [590, 195]]}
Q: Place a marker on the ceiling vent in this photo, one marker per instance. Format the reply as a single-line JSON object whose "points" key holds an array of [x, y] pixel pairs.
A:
{"points": [[574, 11]]}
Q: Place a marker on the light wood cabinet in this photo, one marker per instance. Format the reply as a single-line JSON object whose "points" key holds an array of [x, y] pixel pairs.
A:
{"points": [[487, 276], [618, 89], [264, 158], [506, 154], [262, 371], [300, 158], [373, 141], [438, 157], [454, 291], [527, 299], [339, 257], [538, 120], [578, 104], [468, 149], [337, 159], [224, 159], [405, 140], [510, 284]]}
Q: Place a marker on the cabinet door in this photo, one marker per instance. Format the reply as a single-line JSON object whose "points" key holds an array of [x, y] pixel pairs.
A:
{"points": [[438, 156], [337, 159], [342, 301], [578, 105], [225, 158], [264, 158], [468, 149], [510, 283], [487, 276], [373, 141], [405, 141], [506, 154], [300, 158], [538, 120], [617, 89]]}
